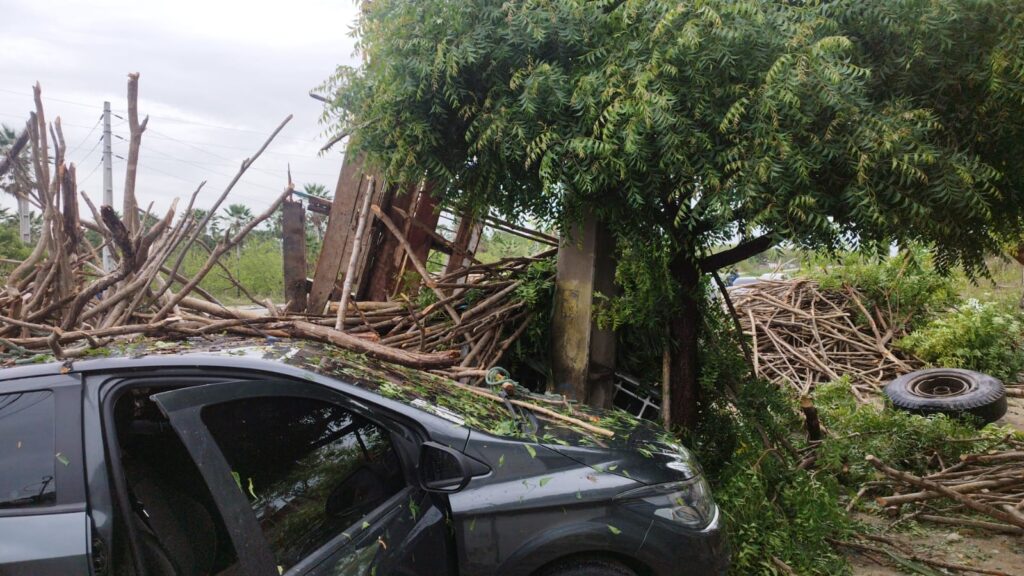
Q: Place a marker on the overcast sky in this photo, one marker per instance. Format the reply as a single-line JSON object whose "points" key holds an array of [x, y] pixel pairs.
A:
{"points": [[216, 77]]}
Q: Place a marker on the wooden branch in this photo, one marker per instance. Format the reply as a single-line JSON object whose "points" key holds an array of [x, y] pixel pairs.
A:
{"points": [[738, 253], [970, 523], [219, 251], [220, 200], [971, 503], [131, 208], [965, 488], [902, 558], [353, 259], [538, 409], [301, 329], [427, 279]]}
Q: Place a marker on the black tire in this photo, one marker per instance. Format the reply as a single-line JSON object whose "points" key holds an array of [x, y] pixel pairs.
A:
{"points": [[587, 567], [949, 391]]}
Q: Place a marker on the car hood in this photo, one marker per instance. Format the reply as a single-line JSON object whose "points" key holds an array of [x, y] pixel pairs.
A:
{"points": [[638, 449]]}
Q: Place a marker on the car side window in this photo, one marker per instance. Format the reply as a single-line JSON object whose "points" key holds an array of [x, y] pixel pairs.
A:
{"points": [[27, 450], [309, 468]]}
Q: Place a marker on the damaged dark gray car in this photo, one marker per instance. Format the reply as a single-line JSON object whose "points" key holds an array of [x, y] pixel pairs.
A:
{"points": [[269, 458]]}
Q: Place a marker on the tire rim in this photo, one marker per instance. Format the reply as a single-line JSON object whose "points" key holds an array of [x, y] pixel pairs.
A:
{"points": [[942, 386]]}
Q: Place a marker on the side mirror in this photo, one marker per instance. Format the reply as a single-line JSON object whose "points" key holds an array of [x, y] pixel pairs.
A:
{"points": [[443, 469]]}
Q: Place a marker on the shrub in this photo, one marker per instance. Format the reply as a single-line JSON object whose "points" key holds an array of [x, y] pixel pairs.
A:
{"points": [[907, 441], [772, 509], [259, 266], [907, 286], [983, 337]]}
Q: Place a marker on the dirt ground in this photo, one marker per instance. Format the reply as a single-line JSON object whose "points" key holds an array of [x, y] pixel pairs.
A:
{"points": [[978, 549]]}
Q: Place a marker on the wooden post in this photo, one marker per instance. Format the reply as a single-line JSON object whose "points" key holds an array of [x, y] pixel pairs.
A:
{"points": [[811, 420], [423, 217], [583, 357], [382, 274], [467, 238], [341, 225], [293, 236]]}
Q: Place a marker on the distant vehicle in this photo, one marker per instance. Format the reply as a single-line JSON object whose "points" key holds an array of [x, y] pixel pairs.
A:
{"points": [[267, 458], [745, 280]]}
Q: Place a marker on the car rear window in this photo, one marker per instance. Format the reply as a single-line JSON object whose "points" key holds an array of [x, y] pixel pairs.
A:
{"points": [[27, 450]]}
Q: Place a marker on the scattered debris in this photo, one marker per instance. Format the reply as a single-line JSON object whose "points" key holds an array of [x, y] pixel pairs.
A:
{"points": [[62, 301]]}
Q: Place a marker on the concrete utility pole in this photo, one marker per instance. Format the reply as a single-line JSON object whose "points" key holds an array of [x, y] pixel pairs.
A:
{"points": [[108, 177], [24, 219], [582, 355]]}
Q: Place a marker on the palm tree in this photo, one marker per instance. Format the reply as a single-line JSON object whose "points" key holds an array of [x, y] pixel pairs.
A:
{"points": [[18, 181], [316, 223], [237, 216], [315, 189], [209, 230]]}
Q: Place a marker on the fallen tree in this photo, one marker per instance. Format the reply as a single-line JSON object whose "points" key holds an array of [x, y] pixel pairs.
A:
{"points": [[61, 300]]}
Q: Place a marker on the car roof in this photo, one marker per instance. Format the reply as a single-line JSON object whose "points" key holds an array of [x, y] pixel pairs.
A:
{"points": [[427, 392]]}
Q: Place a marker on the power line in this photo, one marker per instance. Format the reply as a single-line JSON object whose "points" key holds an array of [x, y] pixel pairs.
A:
{"points": [[91, 150], [226, 159], [86, 137], [25, 119], [216, 127], [62, 101], [91, 172], [165, 118], [161, 136]]}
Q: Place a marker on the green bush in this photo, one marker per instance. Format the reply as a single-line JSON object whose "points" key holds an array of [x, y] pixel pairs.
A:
{"points": [[771, 508], [259, 266], [11, 248], [984, 337], [906, 441], [907, 286]]}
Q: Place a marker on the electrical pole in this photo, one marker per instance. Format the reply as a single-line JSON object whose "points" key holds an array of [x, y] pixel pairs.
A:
{"points": [[108, 177], [24, 219]]}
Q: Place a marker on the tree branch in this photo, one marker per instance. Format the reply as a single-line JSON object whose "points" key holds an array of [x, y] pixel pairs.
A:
{"points": [[738, 253]]}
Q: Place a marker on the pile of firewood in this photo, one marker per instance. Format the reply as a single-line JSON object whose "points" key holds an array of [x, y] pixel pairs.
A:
{"points": [[803, 336], [476, 311], [62, 300]]}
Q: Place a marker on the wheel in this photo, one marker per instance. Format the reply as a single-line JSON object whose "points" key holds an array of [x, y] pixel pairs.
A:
{"points": [[587, 567], [949, 391]]}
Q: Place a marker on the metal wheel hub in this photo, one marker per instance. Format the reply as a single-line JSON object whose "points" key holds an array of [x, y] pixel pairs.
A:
{"points": [[940, 386]]}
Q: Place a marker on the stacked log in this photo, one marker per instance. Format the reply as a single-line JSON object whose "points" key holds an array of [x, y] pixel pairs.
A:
{"points": [[802, 336]]}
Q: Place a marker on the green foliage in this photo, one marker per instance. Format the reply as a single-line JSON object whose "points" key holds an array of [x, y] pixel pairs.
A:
{"points": [[11, 247], [497, 244], [845, 123], [978, 336], [907, 287], [771, 508], [258, 265], [775, 511], [906, 441], [533, 348]]}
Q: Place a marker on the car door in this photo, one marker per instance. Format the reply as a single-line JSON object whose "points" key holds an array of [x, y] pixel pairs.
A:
{"points": [[311, 482]]}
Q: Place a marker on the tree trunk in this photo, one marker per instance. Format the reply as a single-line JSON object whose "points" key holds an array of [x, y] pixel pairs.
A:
{"points": [[684, 331], [1018, 255]]}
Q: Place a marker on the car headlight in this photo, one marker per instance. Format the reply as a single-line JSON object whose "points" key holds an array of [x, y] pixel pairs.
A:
{"points": [[687, 502]]}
